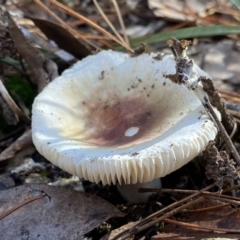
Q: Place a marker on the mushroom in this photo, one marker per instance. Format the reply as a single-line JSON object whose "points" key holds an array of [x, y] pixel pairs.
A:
{"points": [[116, 118]]}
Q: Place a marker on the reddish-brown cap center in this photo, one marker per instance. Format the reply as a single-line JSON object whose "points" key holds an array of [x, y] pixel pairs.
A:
{"points": [[120, 122]]}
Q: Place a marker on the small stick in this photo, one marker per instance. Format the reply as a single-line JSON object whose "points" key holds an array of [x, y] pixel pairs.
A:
{"points": [[108, 21], [90, 23], [136, 229], [63, 24], [196, 226], [220, 196], [230, 188], [223, 132], [181, 191], [207, 209], [12, 105], [233, 202], [216, 101], [148, 221], [120, 19]]}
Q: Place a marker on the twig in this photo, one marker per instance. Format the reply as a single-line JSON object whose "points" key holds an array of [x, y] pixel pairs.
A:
{"points": [[234, 113], [148, 222], [196, 226], [120, 19], [229, 94], [216, 101], [231, 135], [223, 132], [215, 194], [219, 198], [166, 190], [177, 203], [231, 188], [237, 121], [136, 229], [234, 194], [21, 143], [207, 209], [222, 196], [90, 23], [9, 138], [108, 21], [13, 106], [58, 19]]}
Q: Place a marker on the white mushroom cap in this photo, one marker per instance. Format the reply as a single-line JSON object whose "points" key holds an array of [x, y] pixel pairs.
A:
{"points": [[112, 117]]}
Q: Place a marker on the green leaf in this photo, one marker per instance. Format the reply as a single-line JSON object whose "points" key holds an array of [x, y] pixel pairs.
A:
{"points": [[191, 32]]}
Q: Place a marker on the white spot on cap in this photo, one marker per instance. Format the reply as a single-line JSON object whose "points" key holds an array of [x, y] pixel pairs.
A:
{"points": [[131, 131]]}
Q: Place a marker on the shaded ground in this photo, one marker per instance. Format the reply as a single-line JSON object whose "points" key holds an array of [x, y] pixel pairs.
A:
{"points": [[20, 164]]}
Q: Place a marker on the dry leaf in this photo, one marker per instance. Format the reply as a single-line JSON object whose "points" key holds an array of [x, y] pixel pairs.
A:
{"points": [[64, 39], [43, 212]]}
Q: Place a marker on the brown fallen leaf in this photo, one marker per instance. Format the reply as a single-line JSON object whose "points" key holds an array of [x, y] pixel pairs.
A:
{"points": [[22, 142], [64, 39], [43, 212]]}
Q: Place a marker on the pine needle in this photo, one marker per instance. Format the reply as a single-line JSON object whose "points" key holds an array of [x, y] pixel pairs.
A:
{"points": [[63, 24], [90, 23], [120, 19], [108, 21]]}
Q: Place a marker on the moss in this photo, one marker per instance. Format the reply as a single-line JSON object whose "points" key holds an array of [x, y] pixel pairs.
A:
{"points": [[17, 84]]}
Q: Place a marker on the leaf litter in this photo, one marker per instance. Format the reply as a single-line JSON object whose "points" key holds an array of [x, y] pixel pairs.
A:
{"points": [[32, 198]]}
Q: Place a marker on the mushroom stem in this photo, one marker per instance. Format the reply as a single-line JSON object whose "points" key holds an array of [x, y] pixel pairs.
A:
{"points": [[130, 191]]}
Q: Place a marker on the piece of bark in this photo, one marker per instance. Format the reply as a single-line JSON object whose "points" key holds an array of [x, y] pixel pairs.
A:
{"points": [[16, 112], [21, 143]]}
